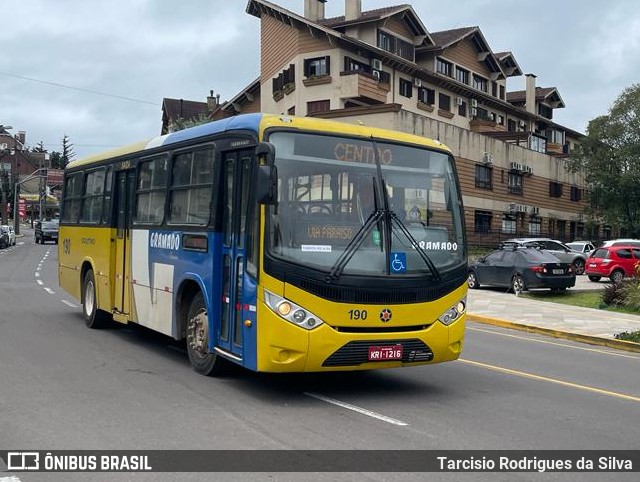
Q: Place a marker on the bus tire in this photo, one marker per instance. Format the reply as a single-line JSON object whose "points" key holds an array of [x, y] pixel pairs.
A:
{"points": [[93, 317], [205, 363]]}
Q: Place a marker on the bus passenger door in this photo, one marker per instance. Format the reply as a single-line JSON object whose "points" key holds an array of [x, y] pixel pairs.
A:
{"points": [[125, 185], [236, 169]]}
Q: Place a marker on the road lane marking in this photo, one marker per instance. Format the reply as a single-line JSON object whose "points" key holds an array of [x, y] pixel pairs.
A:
{"points": [[546, 342], [68, 303], [40, 282], [37, 275], [362, 411], [533, 376], [50, 291]]}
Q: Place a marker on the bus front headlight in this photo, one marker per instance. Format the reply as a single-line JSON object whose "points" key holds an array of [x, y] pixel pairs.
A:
{"points": [[453, 313], [291, 312]]}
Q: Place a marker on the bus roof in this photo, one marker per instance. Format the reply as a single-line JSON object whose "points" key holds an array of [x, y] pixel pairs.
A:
{"points": [[258, 123]]}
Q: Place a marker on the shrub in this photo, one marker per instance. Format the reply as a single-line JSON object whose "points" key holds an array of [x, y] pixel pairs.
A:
{"points": [[631, 295], [614, 294], [629, 336]]}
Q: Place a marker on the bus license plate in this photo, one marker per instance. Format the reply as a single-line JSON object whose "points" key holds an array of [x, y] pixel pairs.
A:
{"points": [[383, 353]]}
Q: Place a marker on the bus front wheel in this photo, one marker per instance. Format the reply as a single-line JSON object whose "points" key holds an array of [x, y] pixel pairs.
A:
{"points": [[201, 359], [93, 317]]}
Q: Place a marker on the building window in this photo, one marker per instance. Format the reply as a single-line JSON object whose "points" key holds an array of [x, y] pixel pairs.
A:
{"points": [[427, 96], [502, 92], [318, 106], [393, 44], [545, 111], [462, 109], [537, 143], [352, 65], [555, 189], [484, 177], [444, 67], [555, 136], [576, 193], [494, 89], [534, 226], [500, 120], [482, 222], [479, 83], [406, 88], [291, 110], [462, 75], [444, 102], [286, 77], [562, 229], [509, 224], [515, 183], [512, 126], [317, 66]]}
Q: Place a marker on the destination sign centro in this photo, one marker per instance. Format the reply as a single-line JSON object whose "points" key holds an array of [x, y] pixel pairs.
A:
{"points": [[365, 154]]}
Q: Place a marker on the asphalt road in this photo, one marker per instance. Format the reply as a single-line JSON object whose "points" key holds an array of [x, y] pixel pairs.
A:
{"points": [[63, 386]]}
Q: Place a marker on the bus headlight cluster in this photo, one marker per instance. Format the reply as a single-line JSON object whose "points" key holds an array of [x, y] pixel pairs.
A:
{"points": [[291, 312], [453, 313]]}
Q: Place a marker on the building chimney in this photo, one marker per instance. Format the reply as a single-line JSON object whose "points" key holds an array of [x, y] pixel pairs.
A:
{"points": [[22, 137], [352, 9], [530, 98], [212, 102], [314, 10]]}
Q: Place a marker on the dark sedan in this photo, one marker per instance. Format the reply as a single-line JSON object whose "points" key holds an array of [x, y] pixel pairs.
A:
{"points": [[520, 269]]}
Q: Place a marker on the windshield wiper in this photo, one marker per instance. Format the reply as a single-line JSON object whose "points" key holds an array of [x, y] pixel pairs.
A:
{"points": [[356, 241], [425, 257]]}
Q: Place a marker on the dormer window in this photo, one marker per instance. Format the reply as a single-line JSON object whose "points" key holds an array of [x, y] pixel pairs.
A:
{"points": [[443, 67], [480, 83], [462, 75], [397, 46]]}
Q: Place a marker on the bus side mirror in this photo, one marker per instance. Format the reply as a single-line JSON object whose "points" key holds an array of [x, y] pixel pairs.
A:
{"points": [[267, 176], [267, 185]]}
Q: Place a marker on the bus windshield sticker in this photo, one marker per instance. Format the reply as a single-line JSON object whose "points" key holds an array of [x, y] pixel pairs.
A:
{"points": [[316, 248], [398, 262]]}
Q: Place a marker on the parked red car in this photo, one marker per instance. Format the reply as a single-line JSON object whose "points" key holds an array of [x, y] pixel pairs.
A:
{"points": [[613, 262]]}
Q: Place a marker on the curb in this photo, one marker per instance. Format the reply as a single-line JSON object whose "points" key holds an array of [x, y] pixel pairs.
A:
{"points": [[566, 335]]}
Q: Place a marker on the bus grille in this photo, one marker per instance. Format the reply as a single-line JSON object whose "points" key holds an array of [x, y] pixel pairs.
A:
{"points": [[357, 352], [369, 295]]}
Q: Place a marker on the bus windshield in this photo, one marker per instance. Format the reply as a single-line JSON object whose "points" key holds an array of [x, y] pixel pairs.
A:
{"points": [[330, 187]]}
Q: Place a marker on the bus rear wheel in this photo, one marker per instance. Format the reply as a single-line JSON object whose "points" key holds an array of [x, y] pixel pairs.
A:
{"points": [[93, 317], [201, 359]]}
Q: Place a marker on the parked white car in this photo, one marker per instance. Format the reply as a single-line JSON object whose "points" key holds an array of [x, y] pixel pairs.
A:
{"points": [[621, 242], [11, 234], [584, 247]]}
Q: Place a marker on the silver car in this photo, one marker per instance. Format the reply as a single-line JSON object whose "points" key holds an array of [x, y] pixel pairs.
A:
{"points": [[557, 248]]}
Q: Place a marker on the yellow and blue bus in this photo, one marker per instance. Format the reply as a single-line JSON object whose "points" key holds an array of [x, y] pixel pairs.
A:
{"points": [[277, 243]]}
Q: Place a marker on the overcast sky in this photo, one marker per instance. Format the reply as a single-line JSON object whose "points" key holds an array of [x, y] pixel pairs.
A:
{"points": [[136, 52]]}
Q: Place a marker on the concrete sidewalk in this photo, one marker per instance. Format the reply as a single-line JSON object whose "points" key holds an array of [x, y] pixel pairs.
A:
{"points": [[588, 325]]}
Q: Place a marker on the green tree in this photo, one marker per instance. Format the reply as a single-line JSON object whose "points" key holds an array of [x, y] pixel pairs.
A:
{"points": [[609, 156], [55, 158], [68, 152], [181, 123]]}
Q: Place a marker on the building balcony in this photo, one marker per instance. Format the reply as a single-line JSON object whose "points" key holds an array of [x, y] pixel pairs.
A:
{"points": [[363, 87], [483, 125]]}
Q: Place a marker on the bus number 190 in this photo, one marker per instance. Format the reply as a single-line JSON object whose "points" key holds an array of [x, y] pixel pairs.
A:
{"points": [[357, 314]]}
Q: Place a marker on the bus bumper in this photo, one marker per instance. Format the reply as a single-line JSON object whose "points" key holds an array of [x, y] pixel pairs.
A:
{"points": [[284, 347]]}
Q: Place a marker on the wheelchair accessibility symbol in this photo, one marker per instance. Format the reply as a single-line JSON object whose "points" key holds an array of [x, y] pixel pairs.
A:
{"points": [[398, 262]]}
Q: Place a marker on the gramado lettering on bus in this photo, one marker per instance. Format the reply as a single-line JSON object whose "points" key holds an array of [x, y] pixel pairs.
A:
{"points": [[164, 240]]}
